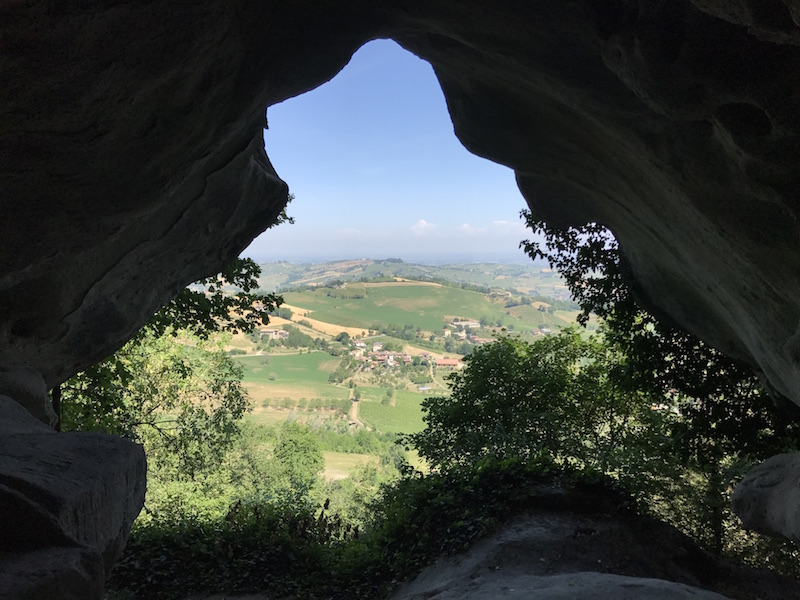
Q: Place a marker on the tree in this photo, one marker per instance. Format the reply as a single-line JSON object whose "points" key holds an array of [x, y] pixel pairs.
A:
{"points": [[180, 397], [211, 305], [728, 421], [298, 457], [725, 406], [514, 399], [169, 387]]}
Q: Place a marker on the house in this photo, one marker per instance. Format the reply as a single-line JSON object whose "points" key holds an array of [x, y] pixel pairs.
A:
{"points": [[273, 334], [448, 363], [377, 346]]}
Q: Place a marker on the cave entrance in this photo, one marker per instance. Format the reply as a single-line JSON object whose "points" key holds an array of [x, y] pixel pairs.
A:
{"points": [[377, 171]]}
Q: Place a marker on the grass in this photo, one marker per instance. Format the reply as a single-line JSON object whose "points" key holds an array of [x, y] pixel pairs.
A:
{"points": [[310, 367], [422, 306], [266, 417], [295, 376], [339, 465], [404, 417]]}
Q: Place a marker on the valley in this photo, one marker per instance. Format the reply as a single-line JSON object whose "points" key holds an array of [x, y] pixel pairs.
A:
{"points": [[358, 345]]}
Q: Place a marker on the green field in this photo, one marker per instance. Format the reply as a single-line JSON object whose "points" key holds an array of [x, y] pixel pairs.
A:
{"points": [[294, 376], [404, 417], [423, 306], [340, 464], [290, 383]]}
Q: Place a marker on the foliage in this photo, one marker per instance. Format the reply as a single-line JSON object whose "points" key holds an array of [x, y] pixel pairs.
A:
{"points": [[178, 389], [296, 338], [299, 459], [725, 406], [181, 398], [556, 397], [205, 309], [282, 313], [313, 552], [727, 420]]}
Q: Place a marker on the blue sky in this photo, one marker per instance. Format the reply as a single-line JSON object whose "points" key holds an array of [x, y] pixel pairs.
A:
{"points": [[378, 172]]}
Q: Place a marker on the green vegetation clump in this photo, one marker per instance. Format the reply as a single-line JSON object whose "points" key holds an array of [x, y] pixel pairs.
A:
{"points": [[298, 551]]}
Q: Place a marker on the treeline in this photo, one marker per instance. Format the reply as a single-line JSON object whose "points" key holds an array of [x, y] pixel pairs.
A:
{"points": [[554, 303], [309, 404], [403, 332], [296, 339], [282, 313]]}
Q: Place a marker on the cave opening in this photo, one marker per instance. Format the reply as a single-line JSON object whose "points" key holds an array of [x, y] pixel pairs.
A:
{"points": [[377, 171]]}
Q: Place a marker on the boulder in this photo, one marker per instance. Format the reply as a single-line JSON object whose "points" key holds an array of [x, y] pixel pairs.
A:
{"points": [[767, 500], [68, 501], [575, 551], [575, 586]]}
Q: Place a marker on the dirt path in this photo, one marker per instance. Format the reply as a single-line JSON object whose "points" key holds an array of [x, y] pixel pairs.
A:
{"points": [[353, 414]]}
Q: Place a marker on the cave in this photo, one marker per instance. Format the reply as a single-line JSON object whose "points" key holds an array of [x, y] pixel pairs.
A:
{"points": [[133, 163]]}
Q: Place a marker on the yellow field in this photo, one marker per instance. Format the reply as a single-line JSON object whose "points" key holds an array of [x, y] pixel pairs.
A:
{"points": [[296, 310], [260, 391], [339, 465], [400, 282], [328, 328]]}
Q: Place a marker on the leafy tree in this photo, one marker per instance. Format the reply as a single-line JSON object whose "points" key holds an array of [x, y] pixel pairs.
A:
{"points": [[726, 409], [181, 397], [168, 386], [211, 305], [298, 457], [296, 338], [728, 421], [515, 399], [282, 313], [392, 345]]}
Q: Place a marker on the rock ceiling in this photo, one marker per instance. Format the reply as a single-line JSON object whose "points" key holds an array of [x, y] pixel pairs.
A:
{"points": [[132, 160]]}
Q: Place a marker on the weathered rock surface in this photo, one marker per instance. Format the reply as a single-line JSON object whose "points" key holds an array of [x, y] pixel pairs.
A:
{"points": [[68, 501], [131, 159], [575, 586], [767, 500], [566, 555]]}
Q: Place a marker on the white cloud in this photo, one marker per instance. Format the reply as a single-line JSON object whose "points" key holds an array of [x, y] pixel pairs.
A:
{"points": [[468, 229], [510, 227], [422, 227]]}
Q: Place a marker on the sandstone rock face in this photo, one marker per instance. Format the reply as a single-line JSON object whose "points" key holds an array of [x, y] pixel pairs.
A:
{"points": [[131, 160], [563, 554], [575, 586], [68, 503], [767, 500]]}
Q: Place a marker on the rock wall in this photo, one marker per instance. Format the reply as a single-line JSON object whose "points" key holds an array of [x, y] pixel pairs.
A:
{"points": [[131, 160]]}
